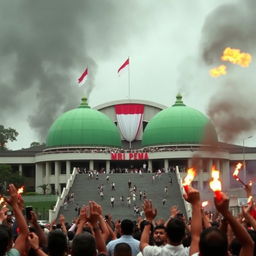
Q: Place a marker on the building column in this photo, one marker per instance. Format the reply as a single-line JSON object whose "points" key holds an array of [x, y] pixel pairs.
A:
{"points": [[226, 176], [68, 166], [200, 176], [210, 163], [57, 174], [39, 177], [47, 172], [190, 163], [91, 165], [20, 169], [217, 164], [150, 165], [166, 165], [107, 166]]}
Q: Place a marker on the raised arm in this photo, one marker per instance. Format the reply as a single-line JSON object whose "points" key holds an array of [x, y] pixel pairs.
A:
{"points": [[15, 202], [239, 231], [150, 214], [193, 197], [94, 218]]}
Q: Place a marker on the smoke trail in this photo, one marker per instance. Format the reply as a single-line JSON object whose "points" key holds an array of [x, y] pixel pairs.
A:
{"points": [[231, 107], [46, 44]]}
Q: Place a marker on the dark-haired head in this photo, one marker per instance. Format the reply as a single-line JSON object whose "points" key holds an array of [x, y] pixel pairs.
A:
{"points": [[175, 230], [127, 227], [213, 242], [122, 249], [57, 243], [5, 238], [84, 244]]}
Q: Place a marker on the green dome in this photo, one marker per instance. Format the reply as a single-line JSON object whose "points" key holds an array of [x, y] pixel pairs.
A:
{"points": [[179, 124], [83, 126]]}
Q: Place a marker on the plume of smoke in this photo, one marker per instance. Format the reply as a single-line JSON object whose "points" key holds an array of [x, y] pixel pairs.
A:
{"points": [[46, 45], [233, 26]]}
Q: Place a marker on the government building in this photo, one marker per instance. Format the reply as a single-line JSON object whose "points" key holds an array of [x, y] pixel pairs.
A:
{"points": [[132, 136]]}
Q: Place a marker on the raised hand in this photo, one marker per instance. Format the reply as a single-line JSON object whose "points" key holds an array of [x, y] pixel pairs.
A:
{"points": [[222, 204], [149, 211], [95, 212], [192, 195]]}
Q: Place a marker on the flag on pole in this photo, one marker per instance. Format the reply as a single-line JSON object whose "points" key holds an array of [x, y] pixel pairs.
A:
{"points": [[82, 79], [126, 63]]}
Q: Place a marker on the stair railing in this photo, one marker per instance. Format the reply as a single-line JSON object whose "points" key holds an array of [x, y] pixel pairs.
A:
{"points": [[60, 200]]}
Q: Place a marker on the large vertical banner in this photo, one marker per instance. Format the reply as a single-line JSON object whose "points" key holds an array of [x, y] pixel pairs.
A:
{"points": [[129, 119]]}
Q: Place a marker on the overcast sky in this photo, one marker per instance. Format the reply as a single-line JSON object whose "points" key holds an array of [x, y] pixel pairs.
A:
{"points": [[45, 46]]}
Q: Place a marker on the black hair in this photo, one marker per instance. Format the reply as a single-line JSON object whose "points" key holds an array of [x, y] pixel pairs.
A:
{"points": [[5, 238], [83, 244], [57, 243], [127, 227], [122, 249], [160, 227], [175, 230], [213, 242]]}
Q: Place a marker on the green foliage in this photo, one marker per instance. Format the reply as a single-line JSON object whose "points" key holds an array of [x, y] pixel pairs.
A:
{"points": [[34, 144], [7, 176], [7, 134], [44, 187]]}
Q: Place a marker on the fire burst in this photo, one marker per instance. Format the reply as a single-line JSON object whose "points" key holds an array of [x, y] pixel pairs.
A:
{"points": [[236, 171], [204, 203], [20, 190], [235, 56], [215, 183], [191, 173], [218, 71]]}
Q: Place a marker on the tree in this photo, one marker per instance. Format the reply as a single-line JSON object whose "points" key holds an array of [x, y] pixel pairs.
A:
{"points": [[44, 187], [34, 144], [7, 134], [7, 176]]}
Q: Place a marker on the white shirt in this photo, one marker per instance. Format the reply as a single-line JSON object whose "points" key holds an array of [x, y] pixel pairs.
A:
{"points": [[167, 250]]}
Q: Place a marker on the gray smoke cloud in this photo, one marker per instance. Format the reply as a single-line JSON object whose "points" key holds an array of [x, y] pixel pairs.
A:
{"points": [[232, 106], [43, 43]]}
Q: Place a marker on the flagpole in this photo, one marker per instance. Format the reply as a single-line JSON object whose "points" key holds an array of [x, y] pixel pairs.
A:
{"points": [[129, 81]]}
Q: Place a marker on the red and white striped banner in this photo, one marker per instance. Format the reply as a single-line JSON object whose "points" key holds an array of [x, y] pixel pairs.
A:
{"points": [[129, 119]]}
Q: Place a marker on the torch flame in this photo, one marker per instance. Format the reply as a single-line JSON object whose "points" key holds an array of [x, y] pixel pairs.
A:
{"points": [[218, 71], [236, 171], [215, 183], [191, 173], [1, 200], [249, 200], [204, 203], [20, 190], [235, 56]]}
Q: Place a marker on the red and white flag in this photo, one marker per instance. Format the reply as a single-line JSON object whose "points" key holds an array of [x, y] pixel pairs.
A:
{"points": [[82, 79], [126, 63], [129, 118]]}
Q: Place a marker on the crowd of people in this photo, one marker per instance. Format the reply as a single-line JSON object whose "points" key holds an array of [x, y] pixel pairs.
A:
{"points": [[95, 233], [120, 150]]}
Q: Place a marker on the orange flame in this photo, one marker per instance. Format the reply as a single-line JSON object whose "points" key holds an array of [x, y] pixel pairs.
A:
{"points": [[249, 200], [235, 56], [20, 190], [191, 173], [236, 171], [218, 71], [204, 203], [215, 183], [1, 200]]}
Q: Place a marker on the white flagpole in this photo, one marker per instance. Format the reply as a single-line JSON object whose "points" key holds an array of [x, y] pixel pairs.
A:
{"points": [[129, 81]]}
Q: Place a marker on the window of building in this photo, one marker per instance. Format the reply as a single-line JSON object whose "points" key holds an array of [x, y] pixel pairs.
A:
{"points": [[52, 168], [63, 168]]}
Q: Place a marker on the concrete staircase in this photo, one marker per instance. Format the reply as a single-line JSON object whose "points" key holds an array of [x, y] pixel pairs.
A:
{"points": [[86, 189]]}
